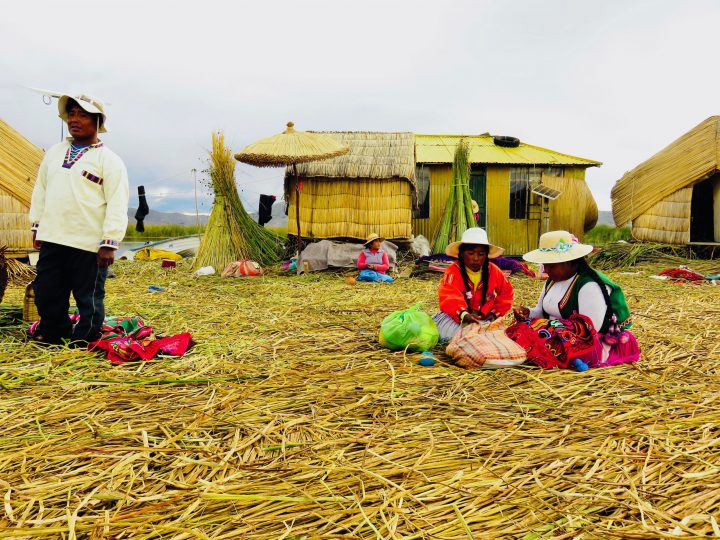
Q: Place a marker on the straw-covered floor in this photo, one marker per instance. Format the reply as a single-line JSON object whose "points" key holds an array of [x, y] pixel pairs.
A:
{"points": [[288, 421]]}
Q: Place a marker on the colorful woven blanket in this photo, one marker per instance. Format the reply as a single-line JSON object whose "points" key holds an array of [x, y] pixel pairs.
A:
{"points": [[128, 339], [551, 343]]}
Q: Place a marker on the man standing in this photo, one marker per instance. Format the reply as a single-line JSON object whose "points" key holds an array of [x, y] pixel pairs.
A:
{"points": [[78, 213]]}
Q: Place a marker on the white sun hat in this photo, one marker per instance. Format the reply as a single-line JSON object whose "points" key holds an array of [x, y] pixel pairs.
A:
{"points": [[474, 235], [89, 104], [557, 247]]}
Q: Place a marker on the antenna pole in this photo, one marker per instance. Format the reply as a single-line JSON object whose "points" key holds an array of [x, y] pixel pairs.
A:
{"points": [[197, 215]]}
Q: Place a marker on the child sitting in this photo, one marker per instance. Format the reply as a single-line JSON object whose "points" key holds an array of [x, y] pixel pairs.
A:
{"points": [[373, 261], [473, 289]]}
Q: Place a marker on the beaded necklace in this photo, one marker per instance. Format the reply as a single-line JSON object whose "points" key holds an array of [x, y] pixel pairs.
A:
{"points": [[75, 152]]}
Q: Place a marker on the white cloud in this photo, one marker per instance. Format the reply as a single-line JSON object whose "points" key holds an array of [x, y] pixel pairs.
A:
{"points": [[613, 81]]}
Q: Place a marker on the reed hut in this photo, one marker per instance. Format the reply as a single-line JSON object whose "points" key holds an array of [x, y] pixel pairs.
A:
{"points": [[19, 163], [521, 190], [369, 189], [674, 196]]}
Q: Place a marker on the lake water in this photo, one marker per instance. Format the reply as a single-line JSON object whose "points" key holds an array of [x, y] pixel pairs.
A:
{"points": [[124, 246]]}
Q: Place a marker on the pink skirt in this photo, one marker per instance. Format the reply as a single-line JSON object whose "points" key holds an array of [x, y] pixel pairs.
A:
{"points": [[625, 350]]}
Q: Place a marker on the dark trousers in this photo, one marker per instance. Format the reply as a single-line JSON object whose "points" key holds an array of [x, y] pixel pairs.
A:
{"points": [[60, 271]]}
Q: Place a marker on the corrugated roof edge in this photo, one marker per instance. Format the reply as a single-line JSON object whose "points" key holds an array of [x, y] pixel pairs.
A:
{"points": [[588, 162]]}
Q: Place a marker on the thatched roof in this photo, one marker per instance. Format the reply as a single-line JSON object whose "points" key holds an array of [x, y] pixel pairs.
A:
{"points": [[441, 149], [685, 161], [289, 147], [19, 162], [373, 155]]}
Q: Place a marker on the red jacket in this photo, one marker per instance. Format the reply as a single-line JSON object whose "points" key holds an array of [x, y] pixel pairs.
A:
{"points": [[451, 293]]}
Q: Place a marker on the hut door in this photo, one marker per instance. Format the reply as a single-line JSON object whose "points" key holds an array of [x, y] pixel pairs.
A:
{"points": [[478, 182], [705, 211]]}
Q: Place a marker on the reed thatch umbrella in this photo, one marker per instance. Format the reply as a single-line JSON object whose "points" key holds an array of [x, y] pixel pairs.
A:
{"points": [[290, 148]]}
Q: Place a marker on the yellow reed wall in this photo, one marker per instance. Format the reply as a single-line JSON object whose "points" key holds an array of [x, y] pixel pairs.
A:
{"points": [[332, 208], [516, 235]]}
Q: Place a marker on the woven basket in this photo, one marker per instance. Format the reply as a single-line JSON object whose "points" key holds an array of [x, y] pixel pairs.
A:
{"points": [[30, 312]]}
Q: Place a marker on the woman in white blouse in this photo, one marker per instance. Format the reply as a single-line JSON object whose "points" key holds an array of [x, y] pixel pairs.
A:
{"points": [[573, 287]]}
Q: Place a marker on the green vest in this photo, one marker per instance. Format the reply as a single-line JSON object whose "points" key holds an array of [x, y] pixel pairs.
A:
{"points": [[618, 305]]}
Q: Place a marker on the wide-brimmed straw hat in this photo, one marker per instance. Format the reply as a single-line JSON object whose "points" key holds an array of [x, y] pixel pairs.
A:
{"points": [[557, 247], [475, 207], [474, 235], [88, 104], [372, 237]]}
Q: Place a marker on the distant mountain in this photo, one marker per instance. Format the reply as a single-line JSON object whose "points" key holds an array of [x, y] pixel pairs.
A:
{"points": [[167, 218], [605, 217], [279, 219]]}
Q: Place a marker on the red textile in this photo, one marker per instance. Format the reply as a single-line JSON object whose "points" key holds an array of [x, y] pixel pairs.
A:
{"points": [[451, 293], [680, 274], [382, 268], [551, 343], [128, 349]]}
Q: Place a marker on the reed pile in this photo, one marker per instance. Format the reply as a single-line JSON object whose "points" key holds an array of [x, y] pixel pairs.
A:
{"points": [[19, 271], [624, 255], [458, 215], [231, 234], [288, 421]]}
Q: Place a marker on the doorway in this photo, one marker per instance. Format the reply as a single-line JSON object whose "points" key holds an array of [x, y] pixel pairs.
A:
{"points": [[478, 184], [705, 211]]}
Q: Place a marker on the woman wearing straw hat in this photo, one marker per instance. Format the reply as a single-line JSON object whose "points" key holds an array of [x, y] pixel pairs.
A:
{"points": [[472, 290], [475, 211], [573, 287], [373, 261]]}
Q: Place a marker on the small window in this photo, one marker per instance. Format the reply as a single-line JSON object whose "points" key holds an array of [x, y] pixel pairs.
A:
{"points": [[422, 181], [521, 179]]}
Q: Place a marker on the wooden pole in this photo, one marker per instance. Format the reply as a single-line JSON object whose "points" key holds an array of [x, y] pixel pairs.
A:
{"points": [[297, 210], [197, 214]]}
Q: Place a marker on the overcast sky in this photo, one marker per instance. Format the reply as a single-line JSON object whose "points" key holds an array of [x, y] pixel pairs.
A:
{"points": [[610, 80]]}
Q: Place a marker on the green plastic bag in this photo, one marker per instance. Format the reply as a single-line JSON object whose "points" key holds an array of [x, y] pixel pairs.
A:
{"points": [[411, 328]]}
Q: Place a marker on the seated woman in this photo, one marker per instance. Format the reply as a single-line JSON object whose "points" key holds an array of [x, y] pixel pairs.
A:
{"points": [[373, 261], [473, 290], [573, 288]]}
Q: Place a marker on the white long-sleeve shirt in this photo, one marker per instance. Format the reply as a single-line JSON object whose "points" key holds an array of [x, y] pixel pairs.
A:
{"points": [[84, 206], [591, 301]]}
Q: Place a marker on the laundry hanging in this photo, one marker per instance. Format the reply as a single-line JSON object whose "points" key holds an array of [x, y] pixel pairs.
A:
{"points": [[265, 210], [142, 211]]}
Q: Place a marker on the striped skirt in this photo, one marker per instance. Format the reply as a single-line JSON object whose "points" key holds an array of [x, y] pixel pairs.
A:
{"points": [[446, 326]]}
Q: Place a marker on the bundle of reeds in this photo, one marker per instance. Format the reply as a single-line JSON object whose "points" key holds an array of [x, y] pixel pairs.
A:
{"points": [[231, 234], [458, 215], [19, 272], [618, 255]]}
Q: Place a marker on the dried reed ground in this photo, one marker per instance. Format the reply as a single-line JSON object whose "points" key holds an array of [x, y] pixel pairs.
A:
{"points": [[288, 421]]}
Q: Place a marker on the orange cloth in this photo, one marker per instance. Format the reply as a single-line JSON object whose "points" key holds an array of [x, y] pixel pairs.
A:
{"points": [[451, 293]]}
